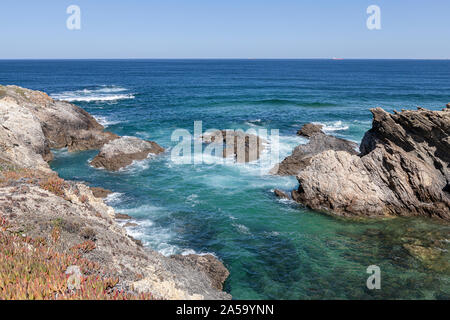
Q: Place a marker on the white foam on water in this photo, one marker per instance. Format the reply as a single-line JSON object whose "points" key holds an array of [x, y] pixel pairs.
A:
{"points": [[253, 123], [114, 198], [333, 126], [104, 121], [191, 251], [103, 93], [193, 200], [150, 233], [139, 165], [241, 228]]}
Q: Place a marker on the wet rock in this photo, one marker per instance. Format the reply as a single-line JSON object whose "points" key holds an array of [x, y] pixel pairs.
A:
{"points": [[121, 152], [242, 146], [122, 216], [130, 224], [100, 192], [215, 269], [302, 154], [280, 194], [402, 169], [310, 129]]}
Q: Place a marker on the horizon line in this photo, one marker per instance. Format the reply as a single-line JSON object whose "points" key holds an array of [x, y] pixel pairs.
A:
{"points": [[332, 58]]}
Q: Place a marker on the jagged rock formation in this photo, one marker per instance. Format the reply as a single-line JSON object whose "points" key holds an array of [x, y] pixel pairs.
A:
{"points": [[33, 199], [243, 147], [302, 154], [403, 169], [122, 152], [63, 124]]}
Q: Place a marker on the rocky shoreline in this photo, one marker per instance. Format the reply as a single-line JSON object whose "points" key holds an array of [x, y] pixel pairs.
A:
{"points": [[402, 168], [37, 203]]}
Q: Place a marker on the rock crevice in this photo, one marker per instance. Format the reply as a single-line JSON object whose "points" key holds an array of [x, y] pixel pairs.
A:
{"points": [[403, 169]]}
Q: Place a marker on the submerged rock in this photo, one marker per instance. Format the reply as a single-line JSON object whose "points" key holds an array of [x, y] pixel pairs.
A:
{"points": [[280, 194], [318, 142], [122, 152], [244, 147], [402, 169]]}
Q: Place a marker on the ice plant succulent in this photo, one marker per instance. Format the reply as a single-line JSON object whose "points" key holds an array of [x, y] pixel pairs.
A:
{"points": [[34, 269]]}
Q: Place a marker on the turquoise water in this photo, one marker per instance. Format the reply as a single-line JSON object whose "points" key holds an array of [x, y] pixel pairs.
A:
{"points": [[273, 249]]}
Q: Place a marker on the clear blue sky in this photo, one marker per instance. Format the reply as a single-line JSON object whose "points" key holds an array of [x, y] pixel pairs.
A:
{"points": [[225, 29]]}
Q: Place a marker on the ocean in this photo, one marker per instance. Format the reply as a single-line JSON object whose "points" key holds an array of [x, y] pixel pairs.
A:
{"points": [[274, 249]]}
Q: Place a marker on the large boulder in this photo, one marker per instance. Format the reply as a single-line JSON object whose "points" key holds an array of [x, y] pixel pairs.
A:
{"points": [[318, 142], [403, 169], [121, 152], [243, 147]]}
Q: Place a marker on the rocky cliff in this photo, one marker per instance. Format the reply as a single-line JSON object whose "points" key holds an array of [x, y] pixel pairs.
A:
{"points": [[37, 203], [403, 169]]}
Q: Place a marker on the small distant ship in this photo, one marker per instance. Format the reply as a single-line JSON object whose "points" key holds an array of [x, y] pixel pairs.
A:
{"points": [[334, 58]]}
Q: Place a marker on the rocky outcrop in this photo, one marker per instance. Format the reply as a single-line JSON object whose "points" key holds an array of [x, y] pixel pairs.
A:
{"points": [[35, 202], [310, 129], [122, 152], [78, 215], [403, 169], [318, 142], [99, 192], [280, 194], [63, 124], [208, 264], [243, 147]]}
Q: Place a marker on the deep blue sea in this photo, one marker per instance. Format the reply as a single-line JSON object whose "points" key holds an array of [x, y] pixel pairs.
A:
{"points": [[273, 249]]}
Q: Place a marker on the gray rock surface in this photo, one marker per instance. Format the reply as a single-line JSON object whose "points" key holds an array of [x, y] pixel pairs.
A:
{"points": [[244, 147], [30, 124], [99, 192], [63, 124], [34, 212], [310, 129], [403, 169], [302, 154], [208, 264], [121, 152], [280, 194]]}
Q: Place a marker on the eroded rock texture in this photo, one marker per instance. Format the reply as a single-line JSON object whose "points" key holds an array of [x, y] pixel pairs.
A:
{"points": [[318, 142], [241, 146], [403, 169], [122, 152]]}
